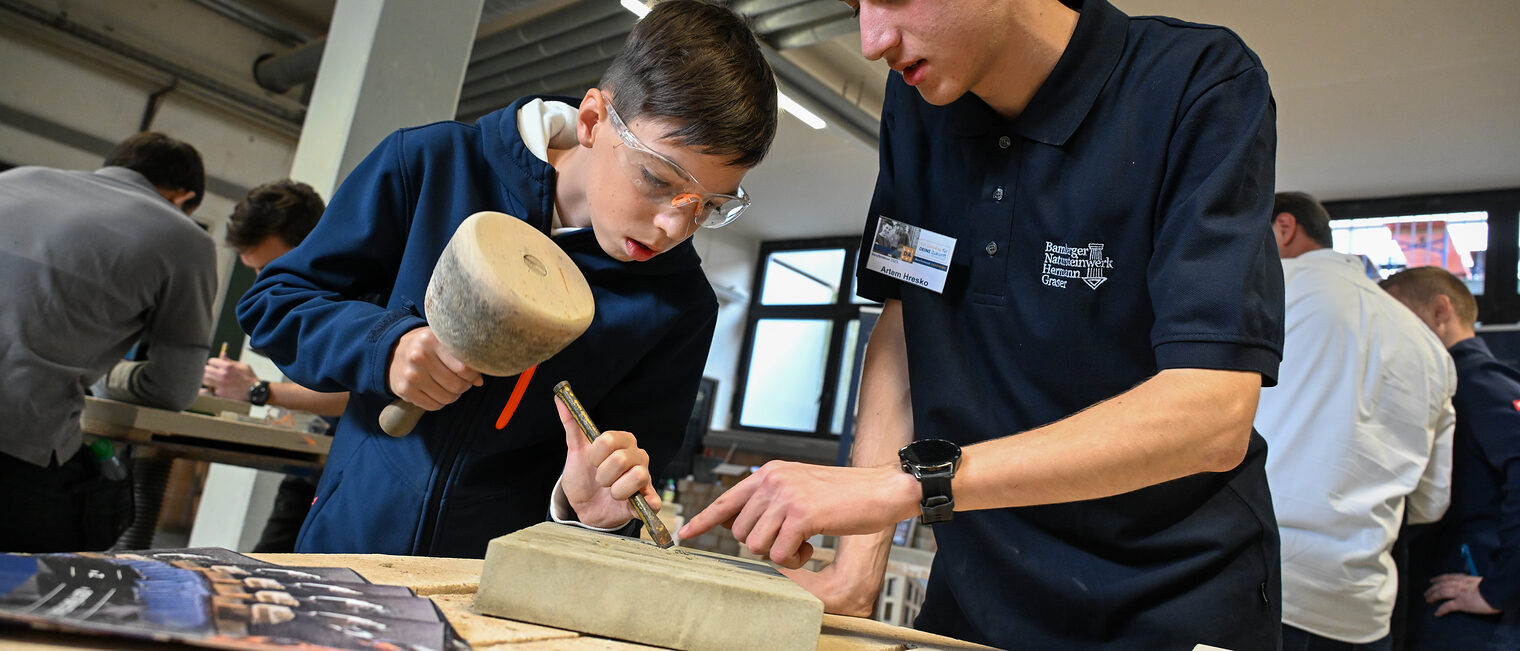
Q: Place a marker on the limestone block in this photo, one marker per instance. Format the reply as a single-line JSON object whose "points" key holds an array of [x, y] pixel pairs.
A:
{"points": [[573, 578]]}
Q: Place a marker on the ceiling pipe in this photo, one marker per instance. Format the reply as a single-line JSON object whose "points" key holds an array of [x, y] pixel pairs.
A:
{"points": [[531, 43], [611, 27], [754, 8], [494, 8], [284, 71], [506, 95], [258, 21], [601, 51], [791, 39], [568, 19], [249, 103], [800, 15]]}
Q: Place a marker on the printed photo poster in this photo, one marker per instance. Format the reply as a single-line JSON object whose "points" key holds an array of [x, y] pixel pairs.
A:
{"points": [[219, 599], [910, 254]]}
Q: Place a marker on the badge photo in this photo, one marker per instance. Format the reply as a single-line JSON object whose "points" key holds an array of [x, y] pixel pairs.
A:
{"points": [[911, 254]]}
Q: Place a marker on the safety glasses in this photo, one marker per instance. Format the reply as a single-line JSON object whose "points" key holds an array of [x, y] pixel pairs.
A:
{"points": [[651, 171]]}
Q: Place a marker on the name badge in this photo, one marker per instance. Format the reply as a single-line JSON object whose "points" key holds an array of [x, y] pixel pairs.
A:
{"points": [[910, 254]]}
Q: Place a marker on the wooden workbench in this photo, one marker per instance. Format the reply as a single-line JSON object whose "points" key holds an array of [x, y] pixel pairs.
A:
{"points": [[206, 438], [451, 583]]}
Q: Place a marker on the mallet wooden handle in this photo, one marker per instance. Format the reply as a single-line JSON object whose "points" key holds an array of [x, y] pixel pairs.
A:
{"points": [[657, 529], [399, 417]]}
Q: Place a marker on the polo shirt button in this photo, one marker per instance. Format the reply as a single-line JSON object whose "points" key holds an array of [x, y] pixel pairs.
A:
{"points": [[1004, 142], [991, 248], [997, 195]]}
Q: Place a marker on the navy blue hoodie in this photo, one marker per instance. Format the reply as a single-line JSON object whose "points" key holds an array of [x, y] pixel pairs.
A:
{"points": [[458, 481]]}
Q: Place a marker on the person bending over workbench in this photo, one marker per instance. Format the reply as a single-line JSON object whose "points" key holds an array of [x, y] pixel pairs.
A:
{"points": [[622, 178], [271, 221], [93, 263]]}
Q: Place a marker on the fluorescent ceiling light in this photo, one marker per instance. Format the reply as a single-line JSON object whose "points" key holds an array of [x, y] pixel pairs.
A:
{"points": [[638, 8], [791, 106]]}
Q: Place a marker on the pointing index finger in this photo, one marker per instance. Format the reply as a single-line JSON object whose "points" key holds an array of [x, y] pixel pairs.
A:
{"points": [[722, 510]]}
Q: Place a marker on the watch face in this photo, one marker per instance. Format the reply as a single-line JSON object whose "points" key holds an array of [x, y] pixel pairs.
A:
{"points": [[258, 394], [930, 453]]}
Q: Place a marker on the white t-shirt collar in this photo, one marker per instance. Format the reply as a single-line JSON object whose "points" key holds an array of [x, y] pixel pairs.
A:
{"points": [[546, 125]]}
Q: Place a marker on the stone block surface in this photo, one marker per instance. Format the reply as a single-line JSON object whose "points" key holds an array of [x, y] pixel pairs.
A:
{"points": [[582, 580]]}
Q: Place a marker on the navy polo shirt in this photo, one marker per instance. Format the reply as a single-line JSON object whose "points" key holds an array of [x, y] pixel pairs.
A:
{"points": [[1485, 509], [1117, 227]]}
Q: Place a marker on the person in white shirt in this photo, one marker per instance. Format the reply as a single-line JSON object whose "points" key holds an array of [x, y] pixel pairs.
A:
{"points": [[1359, 433]]}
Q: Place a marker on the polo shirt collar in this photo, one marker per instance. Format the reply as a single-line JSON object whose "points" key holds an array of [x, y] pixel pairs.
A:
{"points": [[1470, 346], [1068, 94], [129, 176]]}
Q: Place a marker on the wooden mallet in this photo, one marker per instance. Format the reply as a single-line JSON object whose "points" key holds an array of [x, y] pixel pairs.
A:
{"points": [[503, 297]]}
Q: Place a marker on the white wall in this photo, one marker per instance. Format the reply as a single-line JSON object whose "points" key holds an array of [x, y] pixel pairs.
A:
{"points": [[59, 97], [729, 258], [1381, 98], [62, 101]]}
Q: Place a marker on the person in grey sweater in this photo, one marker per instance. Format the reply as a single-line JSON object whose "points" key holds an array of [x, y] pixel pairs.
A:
{"points": [[93, 263]]}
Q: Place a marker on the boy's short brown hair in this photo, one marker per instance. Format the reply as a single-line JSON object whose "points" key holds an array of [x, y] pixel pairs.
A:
{"points": [[1421, 284], [286, 209], [698, 64]]}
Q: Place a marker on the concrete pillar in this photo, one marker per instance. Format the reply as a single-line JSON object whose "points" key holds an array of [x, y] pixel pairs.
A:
{"points": [[388, 64]]}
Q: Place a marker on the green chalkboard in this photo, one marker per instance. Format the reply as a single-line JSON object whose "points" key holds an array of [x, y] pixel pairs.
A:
{"points": [[227, 330]]}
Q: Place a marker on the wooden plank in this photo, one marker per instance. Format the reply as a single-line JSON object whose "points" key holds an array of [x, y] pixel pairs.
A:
{"points": [[485, 630], [842, 633], [290, 463], [110, 416], [215, 406], [425, 576], [452, 583]]}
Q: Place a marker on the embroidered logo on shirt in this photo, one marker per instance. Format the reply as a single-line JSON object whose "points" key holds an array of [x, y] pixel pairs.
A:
{"points": [[1064, 263]]}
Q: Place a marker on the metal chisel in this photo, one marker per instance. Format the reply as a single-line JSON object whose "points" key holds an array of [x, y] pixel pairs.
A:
{"points": [[657, 529]]}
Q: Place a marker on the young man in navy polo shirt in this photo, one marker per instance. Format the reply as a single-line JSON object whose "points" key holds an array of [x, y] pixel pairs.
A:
{"points": [[1112, 307]]}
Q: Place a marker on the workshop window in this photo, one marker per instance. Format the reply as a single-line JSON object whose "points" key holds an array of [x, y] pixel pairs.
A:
{"points": [[800, 339], [1457, 242], [1474, 235]]}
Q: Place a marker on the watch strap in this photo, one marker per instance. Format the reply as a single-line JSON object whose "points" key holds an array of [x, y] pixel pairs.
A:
{"points": [[938, 504]]}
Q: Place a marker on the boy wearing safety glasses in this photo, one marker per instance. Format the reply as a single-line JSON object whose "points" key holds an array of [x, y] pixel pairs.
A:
{"points": [[621, 181]]}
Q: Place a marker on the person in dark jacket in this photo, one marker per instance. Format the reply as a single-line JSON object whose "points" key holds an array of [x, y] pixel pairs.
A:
{"points": [[621, 180], [1463, 585]]}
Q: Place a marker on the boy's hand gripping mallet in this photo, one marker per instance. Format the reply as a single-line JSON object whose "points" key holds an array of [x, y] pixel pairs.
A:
{"points": [[503, 297]]}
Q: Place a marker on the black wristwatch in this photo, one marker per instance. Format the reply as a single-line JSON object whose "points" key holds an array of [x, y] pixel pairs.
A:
{"points": [[258, 394], [933, 463]]}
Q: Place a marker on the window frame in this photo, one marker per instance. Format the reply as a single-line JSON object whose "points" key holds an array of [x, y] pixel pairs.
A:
{"points": [[840, 313], [1500, 301]]}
